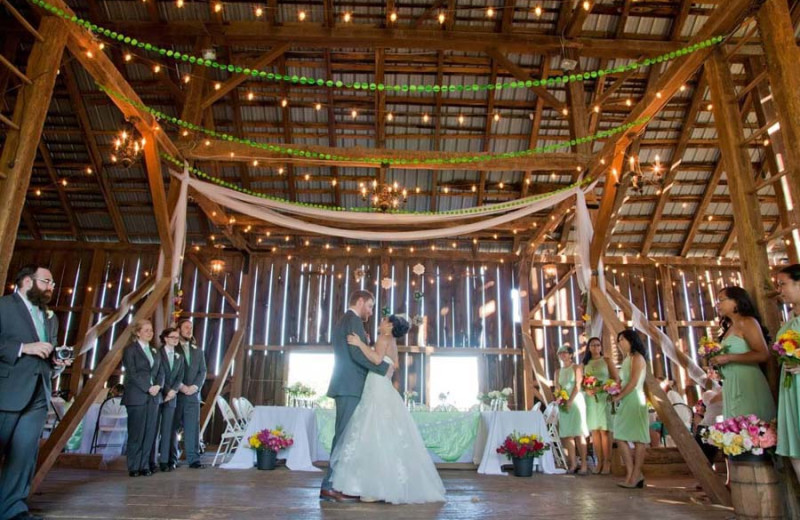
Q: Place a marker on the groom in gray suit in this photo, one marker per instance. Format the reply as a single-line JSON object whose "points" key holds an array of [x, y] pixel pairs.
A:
{"points": [[349, 374], [28, 331]]}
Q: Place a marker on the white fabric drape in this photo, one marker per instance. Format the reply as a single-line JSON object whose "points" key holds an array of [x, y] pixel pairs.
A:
{"points": [[263, 209], [583, 269]]}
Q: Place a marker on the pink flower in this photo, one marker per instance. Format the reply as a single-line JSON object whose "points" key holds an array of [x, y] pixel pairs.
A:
{"points": [[768, 439]]}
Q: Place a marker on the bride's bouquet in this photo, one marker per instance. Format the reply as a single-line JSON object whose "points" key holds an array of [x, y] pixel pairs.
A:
{"points": [[787, 348]]}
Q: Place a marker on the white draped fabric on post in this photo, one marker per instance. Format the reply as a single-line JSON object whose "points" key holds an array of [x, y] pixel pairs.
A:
{"points": [[583, 269]]}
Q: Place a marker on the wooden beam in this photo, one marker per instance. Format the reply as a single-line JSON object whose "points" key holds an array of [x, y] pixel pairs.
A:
{"points": [[748, 224], [575, 24], [380, 120], [96, 272], [231, 351], [670, 316], [213, 279], [550, 293], [19, 148], [602, 223], [65, 428], [679, 21], [158, 194], [62, 195], [95, 157], [221, 150], [237, 79], [684, 441], [700, 212], [529, 349], [304, 35], [780, 52], [522, 75], [22, 21]]}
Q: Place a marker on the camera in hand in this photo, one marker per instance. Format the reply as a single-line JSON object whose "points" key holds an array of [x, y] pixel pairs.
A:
{"points": [[63, 353]]}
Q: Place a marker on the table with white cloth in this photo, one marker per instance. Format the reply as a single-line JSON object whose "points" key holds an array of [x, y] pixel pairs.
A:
{"points": [[449, 436], [496, 426]]}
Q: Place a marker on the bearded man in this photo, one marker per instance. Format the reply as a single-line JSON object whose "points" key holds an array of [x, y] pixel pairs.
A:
{"points": [[28, 331]]}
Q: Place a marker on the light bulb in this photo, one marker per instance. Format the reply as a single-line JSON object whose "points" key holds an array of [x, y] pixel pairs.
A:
{"points": [[301, 16], [393, 17]]}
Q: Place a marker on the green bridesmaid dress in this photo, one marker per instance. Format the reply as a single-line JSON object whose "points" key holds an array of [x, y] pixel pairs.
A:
{"points": [[571, 423], [745, 389], [631, 421], [789, 406], [598, 408]]}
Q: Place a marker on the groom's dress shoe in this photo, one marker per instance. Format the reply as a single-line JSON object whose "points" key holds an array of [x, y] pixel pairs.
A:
{"points": [[331, 495]]}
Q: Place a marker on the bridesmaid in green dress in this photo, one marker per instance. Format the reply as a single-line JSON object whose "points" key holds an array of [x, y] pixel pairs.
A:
{"points": [[788, 283], [572, 416], [631, 422], [745, 389], [598, 408]]}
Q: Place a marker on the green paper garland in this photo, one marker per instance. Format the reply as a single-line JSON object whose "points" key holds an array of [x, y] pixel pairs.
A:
{"points": [[550, 82]]}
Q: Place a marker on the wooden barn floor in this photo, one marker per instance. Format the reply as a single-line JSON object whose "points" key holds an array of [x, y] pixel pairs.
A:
{"points": [[217, 494]]}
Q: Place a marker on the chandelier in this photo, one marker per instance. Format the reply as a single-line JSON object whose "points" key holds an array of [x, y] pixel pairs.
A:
{"points": [[128, 145], [217, 264], [384, 197], [640, 177]]}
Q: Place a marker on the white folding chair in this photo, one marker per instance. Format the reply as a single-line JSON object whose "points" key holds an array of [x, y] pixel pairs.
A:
{"points": [[246, 409], [685, 413], [233, 433], [551, 419], [111, 426]]}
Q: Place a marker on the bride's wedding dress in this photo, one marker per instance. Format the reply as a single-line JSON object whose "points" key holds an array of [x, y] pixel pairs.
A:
{"points": [[381, 455]]}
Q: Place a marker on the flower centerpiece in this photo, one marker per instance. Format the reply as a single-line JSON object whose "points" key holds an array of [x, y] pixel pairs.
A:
{"points": [[522, 449], [612, 388], [741, 435], [300, 395], [787, 348], [267, 443], [561, 398], [409, 396], [708, 349], [592, 386]]}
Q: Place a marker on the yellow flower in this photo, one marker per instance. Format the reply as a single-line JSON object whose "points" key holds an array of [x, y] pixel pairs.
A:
{"points": [[524, 440], [276, 433], [790, 347], [254, 442]]}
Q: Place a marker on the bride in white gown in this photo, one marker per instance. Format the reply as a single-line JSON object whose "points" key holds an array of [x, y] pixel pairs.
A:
{"points": [[381, 455]]}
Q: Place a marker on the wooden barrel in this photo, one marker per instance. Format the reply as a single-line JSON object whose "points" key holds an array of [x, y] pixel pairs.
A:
{"points": [[755, 488]]}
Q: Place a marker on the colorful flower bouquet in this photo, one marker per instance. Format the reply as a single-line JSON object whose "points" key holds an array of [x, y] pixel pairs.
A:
{"points": [[709, 349], [743, 434], [522, 446], [592, 386], [270, 440], [300, 395], [787, 348], [612, 388], [561, 398]]}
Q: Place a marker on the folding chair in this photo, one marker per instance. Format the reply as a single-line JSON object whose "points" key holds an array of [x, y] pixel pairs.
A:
{"points": [[245, 411], [551, 419], [233, 433], [111, 419]]}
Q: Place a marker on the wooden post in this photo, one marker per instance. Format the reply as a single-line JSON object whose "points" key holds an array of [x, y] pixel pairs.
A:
{"points": [[19, 149], [670, 316], [85, 320], [747, 216], [684, 441], [230, 353], [529, 353], [56, 442], [782, 56]]}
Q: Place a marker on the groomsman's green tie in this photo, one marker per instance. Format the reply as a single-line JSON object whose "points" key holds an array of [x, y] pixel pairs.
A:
{"points": [[171, 357], [147, 353], [39, 322], [187, 350]]}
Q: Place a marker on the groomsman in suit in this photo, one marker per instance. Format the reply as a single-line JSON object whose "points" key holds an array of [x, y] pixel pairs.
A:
{"points": [[187, 413], [350, 370], [172, 360], [28, 331]]}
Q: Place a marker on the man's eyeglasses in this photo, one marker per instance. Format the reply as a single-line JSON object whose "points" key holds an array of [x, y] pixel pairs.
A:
{"points": [[46, 281]]}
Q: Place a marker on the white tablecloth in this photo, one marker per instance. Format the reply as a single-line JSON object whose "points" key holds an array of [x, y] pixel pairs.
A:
{"points": [[496, 426], [300, 422]]}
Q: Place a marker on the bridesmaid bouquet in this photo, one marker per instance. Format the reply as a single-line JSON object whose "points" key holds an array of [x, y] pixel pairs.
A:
{"points": [[562, 397], [612, 388], [708, 349], [592, 385], [787, 348], [742, 434]]}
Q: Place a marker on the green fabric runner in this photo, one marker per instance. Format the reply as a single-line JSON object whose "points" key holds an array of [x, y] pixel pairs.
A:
{"points": [[447, 434]]}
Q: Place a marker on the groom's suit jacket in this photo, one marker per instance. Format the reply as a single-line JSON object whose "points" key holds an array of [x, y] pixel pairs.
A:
{"points": [[350, 365]]}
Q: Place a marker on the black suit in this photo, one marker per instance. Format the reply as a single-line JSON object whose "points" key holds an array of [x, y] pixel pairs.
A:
{"points": [[187, 413], [142, 407], [24, 396], [172, 381]]}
